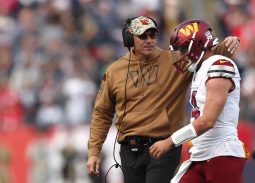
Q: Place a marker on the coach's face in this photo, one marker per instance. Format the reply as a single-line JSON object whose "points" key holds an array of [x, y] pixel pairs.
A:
{"points": [[145, 44]]}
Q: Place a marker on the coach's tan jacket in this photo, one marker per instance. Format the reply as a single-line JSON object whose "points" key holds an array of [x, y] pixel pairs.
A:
{"points": [[155, 97]]}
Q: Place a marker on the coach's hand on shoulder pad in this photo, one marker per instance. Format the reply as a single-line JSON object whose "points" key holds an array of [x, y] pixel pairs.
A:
{"points": [[232, 43]]}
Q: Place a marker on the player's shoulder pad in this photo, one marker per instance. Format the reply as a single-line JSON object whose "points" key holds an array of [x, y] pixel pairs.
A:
{"points": [[221, 68]]}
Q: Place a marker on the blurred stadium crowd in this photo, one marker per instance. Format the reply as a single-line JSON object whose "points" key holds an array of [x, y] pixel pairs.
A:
{"points": [[53, 54]]}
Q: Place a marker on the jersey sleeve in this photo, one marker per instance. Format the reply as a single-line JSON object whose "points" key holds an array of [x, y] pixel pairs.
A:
{"points": [[221, 68]]}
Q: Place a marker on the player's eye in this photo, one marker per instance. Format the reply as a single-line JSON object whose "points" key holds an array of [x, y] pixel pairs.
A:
{"points": [[183, 50]]}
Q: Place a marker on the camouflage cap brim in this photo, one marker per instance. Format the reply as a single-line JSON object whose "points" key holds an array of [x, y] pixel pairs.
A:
{"points": [[140, 24]]}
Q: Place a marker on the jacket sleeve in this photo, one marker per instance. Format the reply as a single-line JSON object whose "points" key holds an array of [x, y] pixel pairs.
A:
{"points": [[101, 117], [222, 49]]}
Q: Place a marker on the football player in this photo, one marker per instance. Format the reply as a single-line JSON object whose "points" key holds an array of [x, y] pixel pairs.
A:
{"points": [[217, 155]]}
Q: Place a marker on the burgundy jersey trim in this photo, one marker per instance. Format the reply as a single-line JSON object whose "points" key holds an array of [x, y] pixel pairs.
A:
{"points": [[223, 62], [221, 68]]}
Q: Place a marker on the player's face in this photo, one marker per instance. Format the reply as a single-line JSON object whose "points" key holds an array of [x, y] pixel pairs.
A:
{"points": [[183, 63], [182, 51], [145, 44]]}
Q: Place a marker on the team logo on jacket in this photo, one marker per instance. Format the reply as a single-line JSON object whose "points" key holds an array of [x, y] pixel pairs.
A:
{"points": [[148, 76]]}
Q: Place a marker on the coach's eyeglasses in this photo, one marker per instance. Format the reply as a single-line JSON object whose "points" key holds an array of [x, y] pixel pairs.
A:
{"points": [[144, 36]]}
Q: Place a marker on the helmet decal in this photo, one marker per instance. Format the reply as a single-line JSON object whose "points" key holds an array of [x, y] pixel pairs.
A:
{"points": [[189, 29]]}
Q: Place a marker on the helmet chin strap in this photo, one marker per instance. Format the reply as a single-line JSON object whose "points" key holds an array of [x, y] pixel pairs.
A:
{"points": [[193, 67]]}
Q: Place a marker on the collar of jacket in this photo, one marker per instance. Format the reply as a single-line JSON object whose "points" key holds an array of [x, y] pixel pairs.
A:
{"points": [[134, 58]]}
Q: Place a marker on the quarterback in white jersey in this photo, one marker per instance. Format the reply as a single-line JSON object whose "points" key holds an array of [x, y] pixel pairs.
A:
{"points": [[217, 155], [222, 138]]}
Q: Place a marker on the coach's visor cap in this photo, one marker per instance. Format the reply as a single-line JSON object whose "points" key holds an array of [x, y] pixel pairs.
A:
{"points": [[140, 24]]}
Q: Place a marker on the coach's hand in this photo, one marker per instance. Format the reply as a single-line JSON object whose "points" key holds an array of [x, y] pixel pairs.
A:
{"points": [[161, 147], [93, 165], [232, 43]]}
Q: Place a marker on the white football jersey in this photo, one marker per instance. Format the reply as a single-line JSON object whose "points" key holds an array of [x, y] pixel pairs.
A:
{"points": [[222, 139]]}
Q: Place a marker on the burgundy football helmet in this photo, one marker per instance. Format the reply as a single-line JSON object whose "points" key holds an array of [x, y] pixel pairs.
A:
{"points": [[192, 37]]}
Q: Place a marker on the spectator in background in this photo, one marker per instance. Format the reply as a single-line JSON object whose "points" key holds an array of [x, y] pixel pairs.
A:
{"points": [[11, 112], [248, 89], [50, 112], [38, 153], [79, 94], [69, 155], [26, 74], [5, 158]]}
